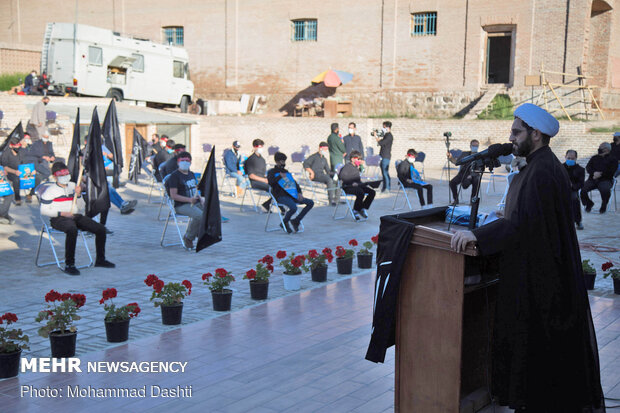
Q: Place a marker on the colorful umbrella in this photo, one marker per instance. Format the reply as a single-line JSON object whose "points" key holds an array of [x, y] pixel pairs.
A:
{"points": [[333, 78]]}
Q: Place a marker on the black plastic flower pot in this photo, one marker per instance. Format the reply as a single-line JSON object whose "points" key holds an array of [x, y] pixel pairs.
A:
{"points": [[589, 278], [62, 344], [319, 274], [259, 290], [364, 260], [117, 331], [221, 300], [171, 315], [345, 265], [616, 286], [9, 364]]}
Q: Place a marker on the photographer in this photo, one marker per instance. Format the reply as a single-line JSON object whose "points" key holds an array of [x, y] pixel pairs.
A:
{"points": [[384, 140]]}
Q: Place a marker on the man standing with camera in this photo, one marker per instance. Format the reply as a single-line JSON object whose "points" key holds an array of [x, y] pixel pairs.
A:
{"points": [[384, 140]]}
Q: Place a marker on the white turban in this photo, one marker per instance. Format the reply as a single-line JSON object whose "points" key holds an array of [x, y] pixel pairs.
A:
{"points": [[538, 118]]}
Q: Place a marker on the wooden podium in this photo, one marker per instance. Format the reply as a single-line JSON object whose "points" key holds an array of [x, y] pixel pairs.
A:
{"points": [[442, 326]]}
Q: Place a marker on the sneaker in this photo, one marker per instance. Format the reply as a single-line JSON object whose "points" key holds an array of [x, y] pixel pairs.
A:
{"points": [[225, 220], [364, 213], [104, 264], [188, 243], [265, 206], [127, 209], [286, 227], [603, 209], [71, 270], [109, 231], [295, 225], [18, 202], [4, 221], [11, 219], [133, 203], [29, 199], [579, 225], [356, 216]]}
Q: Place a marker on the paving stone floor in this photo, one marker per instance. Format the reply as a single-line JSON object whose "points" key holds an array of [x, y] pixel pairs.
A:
{"points": [[299, 351]]}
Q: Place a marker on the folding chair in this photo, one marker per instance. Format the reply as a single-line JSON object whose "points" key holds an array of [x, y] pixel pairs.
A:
{"points": [[403, 189], [250, 190], [175, 217], [46, 228], [613, 192], [272, 150], [419, 159], [54, 128], [509, 179], [277, 206], [372, 163], [504, 160], [348, 199]]}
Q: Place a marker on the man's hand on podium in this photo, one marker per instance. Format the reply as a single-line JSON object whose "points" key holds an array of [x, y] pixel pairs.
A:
{"points": [[460, 239]]}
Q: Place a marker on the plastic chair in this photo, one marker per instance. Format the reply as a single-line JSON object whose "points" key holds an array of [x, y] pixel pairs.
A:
{"points": [[277, 207], [175, 217], [503, 160], [403, 189], [272, 150], [250, 190], [46, 228], [420, 157]]}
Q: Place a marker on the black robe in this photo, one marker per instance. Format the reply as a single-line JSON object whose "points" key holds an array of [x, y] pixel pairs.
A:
{"points": [[545, 355]]}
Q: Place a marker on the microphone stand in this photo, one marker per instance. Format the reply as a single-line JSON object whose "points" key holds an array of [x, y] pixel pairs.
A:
{"points": [[448, 162], [477, 171]]}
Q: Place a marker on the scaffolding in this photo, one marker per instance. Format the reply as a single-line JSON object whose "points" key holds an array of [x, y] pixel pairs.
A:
{"points": [[570, 95]]}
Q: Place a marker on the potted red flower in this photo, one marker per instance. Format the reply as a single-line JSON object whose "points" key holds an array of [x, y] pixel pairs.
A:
{"points": [[364, 255], [169, 297], [344, 260], [259, 278], [318, 263], [60, 315], [293, 266], [221, 296], [117, 318], [614, 273], [12, 342]]}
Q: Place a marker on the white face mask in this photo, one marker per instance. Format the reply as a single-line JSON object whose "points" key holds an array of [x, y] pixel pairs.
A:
{"points": [[384, 130], [324, 152], [474, 149], [64, 179], [46, 140], [184, 165], [410, 159], [351, 131], [162, 143], [259, 150], [27, 142]]}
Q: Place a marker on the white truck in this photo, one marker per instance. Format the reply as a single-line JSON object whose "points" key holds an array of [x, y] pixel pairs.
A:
{"points": [[90, 61]]}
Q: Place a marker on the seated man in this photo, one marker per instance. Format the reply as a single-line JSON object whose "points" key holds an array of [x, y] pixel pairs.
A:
{"points": [[182, 187], [56, 203], [352, 184], [256, 168], [6, 199], [10, 160], [601, 168], [287, 192], [317, 167], [410, 177], [464, 177], [162, 156], [33, 153], [232, 159], [577, 175], [171, 164]]}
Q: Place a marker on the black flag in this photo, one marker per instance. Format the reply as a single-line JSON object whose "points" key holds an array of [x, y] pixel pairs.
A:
{"points": [[112, 139], [74, 153], [16, 133], [138, 151], [97, 184], [211, 223]]}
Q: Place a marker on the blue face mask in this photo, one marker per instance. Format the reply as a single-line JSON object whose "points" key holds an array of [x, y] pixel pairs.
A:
{"points": [[170, 150], [474, 149], [570, 162]]}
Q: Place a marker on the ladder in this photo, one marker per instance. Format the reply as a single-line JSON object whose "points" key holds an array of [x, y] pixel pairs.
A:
{"points": [[46, 45]]}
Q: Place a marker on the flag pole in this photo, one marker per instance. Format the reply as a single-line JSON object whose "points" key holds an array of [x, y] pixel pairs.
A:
{"points": [[78, 182]]}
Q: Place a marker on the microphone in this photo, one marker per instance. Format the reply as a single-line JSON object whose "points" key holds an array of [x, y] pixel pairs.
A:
{"points": [[494, 151]]}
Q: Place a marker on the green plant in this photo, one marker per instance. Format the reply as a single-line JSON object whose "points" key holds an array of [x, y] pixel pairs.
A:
{"points": [[61, 313], [605, 130], [613, 272], [167, 294], [293, 264], [11, 80], [343, 253], [587, 267], [318, 260], [10, 339], [220, 281], [501, 107], [115, 313], [263, 270]]}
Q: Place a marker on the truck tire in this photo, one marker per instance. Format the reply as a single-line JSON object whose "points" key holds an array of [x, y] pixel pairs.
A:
{"points": [[184, 104], [115, 94]]}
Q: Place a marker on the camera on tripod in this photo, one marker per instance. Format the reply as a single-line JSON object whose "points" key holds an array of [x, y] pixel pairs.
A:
{"points": [[377, 132]]}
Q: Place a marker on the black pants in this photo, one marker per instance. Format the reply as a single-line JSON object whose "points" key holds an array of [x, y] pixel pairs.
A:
{"points": [[70, 227], [576, 206], [604, 188], [15, 183], [465, 182], [418, 187], [264, 187], [359, 191]]}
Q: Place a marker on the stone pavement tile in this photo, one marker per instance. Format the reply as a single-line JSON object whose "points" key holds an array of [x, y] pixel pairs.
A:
{"points": [[377, 403], [373, 389], [306, 406], [291, 398], [344, 404], [249, 404]]}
